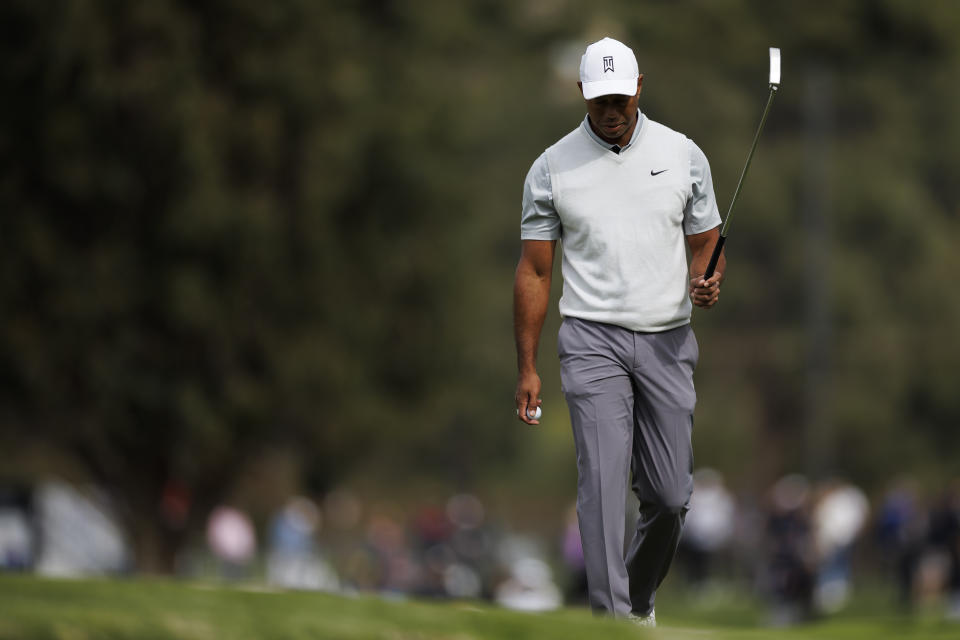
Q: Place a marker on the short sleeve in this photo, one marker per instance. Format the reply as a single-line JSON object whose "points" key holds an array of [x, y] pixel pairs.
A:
{"points": [[700, 213], [539, 219]]}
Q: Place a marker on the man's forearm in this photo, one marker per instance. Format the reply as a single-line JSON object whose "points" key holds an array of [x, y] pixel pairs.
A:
{"points": [[701, 250], [531, 295], [700, 260], [705, 293]]}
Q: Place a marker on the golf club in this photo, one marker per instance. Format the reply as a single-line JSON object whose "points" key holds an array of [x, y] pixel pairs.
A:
{"points": [[774, 85]]}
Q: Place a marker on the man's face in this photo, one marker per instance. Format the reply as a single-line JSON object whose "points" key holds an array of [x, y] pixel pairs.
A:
{"points": [[614, 115]]}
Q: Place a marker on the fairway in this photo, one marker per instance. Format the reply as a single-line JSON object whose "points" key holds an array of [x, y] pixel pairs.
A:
{"points": [[33, 608]]}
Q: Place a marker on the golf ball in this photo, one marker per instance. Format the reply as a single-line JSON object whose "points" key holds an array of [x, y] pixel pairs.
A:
{"points": [[534, 415]]}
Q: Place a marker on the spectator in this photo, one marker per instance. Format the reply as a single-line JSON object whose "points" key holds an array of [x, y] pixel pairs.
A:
{"points": [[944, 539], [838, 518], [232, 540], [294, 560], [789, 575], [901, 531], [709, 525]]}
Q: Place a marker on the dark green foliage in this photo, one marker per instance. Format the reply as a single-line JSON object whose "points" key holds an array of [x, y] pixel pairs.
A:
{"points": [[231, 227]]}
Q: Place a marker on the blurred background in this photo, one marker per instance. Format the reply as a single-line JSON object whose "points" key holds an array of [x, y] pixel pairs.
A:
{"points": [[256, 273]]}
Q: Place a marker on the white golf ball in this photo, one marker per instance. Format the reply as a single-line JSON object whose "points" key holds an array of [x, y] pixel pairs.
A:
{"points": [[534, 415]]}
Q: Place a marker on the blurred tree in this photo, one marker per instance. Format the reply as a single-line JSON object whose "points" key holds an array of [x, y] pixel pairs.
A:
{"points": [[237, 226]]}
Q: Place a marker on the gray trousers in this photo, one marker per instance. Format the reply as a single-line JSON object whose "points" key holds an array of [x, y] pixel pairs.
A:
{"points": [[631, 400]]}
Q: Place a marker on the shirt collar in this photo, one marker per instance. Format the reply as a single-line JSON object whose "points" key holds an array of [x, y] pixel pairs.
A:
{"points": [[607, 145]]}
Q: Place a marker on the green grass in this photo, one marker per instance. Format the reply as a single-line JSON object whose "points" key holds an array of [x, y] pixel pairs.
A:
{"points": [[32, 608]]}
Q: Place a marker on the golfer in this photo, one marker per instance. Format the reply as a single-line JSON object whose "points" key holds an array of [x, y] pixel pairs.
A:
{"points": [[624, 194]]}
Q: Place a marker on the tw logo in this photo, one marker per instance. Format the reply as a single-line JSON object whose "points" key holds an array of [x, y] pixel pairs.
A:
{"points": [[607, 63]]}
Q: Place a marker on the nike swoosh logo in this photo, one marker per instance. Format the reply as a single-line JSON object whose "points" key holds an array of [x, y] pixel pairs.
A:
{"points": [[656, 173]]}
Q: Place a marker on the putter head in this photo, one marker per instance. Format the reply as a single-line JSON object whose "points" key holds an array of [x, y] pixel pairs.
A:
{"points": [[774, 67]]}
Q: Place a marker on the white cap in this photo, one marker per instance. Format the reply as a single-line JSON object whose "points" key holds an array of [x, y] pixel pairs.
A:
{"points": [[608, 66]]}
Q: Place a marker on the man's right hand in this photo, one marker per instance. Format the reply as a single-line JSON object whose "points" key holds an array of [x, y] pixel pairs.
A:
{"points": [[528, 396]]}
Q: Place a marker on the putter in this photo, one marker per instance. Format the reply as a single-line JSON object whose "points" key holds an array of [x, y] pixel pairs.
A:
{"points": [[774, 85]]}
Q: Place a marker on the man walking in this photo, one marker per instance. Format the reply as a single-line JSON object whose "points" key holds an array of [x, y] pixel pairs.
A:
{"points": [[623, 193]]}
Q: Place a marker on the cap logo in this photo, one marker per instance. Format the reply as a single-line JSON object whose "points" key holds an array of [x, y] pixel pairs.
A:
{"points": [[607, 63]]}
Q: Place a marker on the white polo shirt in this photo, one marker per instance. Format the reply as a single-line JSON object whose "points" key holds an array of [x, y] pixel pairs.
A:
{"points": [[622, 218]]}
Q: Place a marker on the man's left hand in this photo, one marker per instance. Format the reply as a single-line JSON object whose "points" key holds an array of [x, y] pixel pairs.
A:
{"points": [[705, 293]]}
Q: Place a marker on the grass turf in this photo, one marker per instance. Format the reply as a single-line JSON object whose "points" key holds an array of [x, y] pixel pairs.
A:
{"points": [[33, 609]]}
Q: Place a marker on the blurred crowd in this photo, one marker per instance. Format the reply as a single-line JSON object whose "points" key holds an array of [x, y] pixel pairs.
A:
{"points": [[803, 547]]}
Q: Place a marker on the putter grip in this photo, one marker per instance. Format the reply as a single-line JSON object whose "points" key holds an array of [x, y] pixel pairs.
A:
{"points": [[714, 258]]}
